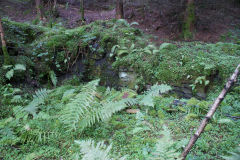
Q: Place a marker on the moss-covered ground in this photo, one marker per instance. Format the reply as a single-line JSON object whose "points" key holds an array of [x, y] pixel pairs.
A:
{"points": [[31, 126]]}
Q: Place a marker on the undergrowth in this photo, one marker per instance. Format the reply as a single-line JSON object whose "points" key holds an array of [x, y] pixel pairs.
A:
{"points": [[54, 119]]}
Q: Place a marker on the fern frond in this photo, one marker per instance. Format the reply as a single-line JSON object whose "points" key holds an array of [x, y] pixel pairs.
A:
{"points": [[79, 106], [17, 99], [19, 113], [39, 98], [122, 22], [92, 151], [28, 135], [41, 94], [234, 155], [53, 78], [147, 98], [58, 92], [103, 112], [165, 147], [84, 109]]}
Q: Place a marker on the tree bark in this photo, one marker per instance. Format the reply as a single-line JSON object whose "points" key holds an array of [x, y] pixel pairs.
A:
{"points": [[39, 11], [189, 20], [7, 60], [82, 10], [210, 113], [55, 5], [119, 9]]}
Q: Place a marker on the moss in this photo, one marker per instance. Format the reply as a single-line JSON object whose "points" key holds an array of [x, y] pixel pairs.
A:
{"points": [[118, 125], [107, 41], [23, 32], [189, 21], [208, 127], [152, 113], [7, 58], [2, 78], [161, 114], [183, 64]]}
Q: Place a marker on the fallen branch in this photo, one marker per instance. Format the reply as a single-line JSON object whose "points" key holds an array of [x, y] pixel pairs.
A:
{"points": [[210, 113]]}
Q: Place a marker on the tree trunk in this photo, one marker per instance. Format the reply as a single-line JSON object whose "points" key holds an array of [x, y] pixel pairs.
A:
{"points": [[54, 9], [210, 113], [119, 9], [39, 11], [7, 60], [55, 5], [189, 20], [82, 10]]}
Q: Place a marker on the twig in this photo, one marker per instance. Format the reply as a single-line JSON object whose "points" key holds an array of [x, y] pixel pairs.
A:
{"points": [[210, 113]]}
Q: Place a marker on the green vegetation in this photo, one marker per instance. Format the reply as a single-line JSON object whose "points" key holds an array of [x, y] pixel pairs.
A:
{"points": [[82, 118], [181, 62], [189, 21]]}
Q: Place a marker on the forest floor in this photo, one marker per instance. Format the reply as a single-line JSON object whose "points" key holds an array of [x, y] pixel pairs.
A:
{"points": [[61, 56], [211, 26]]}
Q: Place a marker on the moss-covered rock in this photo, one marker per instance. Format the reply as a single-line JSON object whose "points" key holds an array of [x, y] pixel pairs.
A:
{"points": [[61, 49], [185, 64]]}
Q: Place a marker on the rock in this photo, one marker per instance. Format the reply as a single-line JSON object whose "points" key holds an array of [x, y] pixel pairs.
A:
{"points": [[183, 92], [127, 79]]}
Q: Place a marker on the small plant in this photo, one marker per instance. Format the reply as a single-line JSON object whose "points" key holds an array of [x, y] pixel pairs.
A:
{"points": [[200, 81], [91, 151], [11, 69]]}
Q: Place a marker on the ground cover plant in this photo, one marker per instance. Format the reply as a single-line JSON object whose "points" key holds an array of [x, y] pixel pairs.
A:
{"points": [[106, 90]]}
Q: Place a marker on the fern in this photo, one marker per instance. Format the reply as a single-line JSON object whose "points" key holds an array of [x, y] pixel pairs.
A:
{"points": [[17, 67], [84, 109], [234, 155], [28, 135], [165, 147], [147, 98], [53, 78], [103, 112], [79, 106], [17, 99], [91, 151], [39, 98]]}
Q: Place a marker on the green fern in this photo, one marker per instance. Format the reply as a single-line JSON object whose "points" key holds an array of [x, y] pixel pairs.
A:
{"points": [[85, 109], [39, 98], [79, 106], [103, 111], [53, 78], [147, 98], [17, 99], [165, 147], [17, 67], [91, 151], [234, 155], [28, 135]]}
